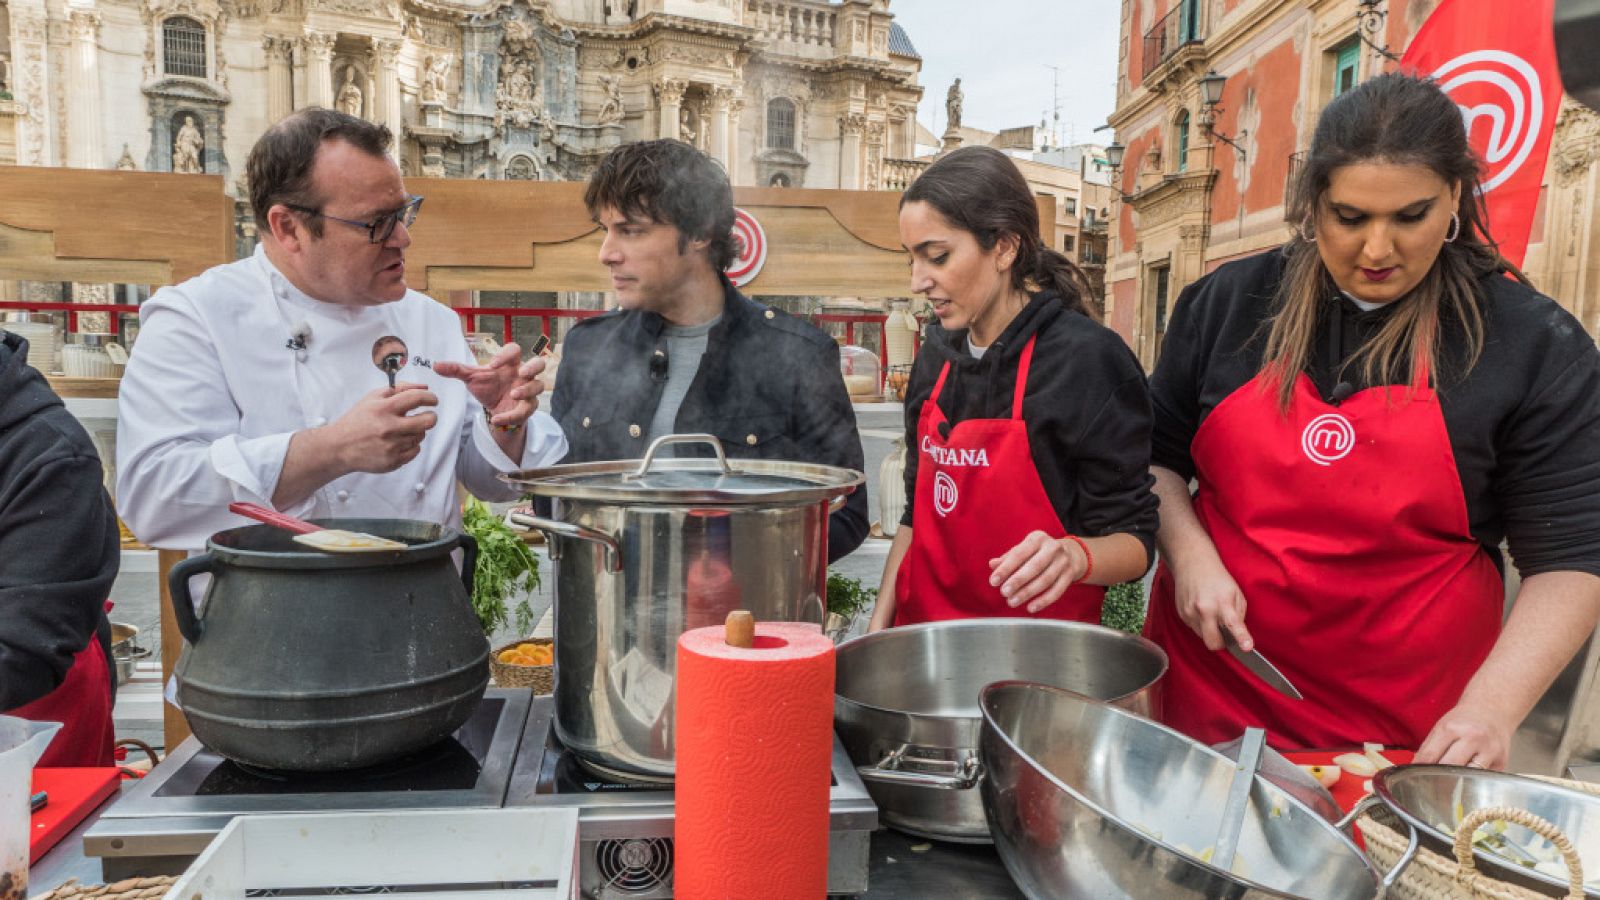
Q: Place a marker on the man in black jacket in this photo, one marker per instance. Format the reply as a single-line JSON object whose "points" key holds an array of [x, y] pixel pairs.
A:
{"points": [[58, 557], [686, 352]]}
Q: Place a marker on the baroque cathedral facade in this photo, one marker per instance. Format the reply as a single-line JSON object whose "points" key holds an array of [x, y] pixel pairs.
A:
{"points": [[802, 93]]}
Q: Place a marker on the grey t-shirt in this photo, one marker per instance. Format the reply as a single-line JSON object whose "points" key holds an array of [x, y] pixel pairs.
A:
{"points": [[685, 344]]}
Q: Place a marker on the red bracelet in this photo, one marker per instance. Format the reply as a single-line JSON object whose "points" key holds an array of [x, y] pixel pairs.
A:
{"points": [[1088, 557]]}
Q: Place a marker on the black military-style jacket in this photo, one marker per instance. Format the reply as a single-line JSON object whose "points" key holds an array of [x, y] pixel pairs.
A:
{"points": [[768, 387]]}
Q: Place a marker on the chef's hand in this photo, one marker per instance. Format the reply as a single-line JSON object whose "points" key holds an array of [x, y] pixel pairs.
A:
{"points": [[1467, 737], [1209, 601], [384, 431], [507, 387], [1038, 570]]}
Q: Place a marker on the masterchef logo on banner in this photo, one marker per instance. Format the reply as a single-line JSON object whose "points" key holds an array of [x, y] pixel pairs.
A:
{"points": [[749, 249], [1499, 66], [1328, 438], [946, 456]]}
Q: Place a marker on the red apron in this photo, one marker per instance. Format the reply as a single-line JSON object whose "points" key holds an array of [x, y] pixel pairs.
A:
{"points": [[978, 495], [82, 704], [1346, 530]]}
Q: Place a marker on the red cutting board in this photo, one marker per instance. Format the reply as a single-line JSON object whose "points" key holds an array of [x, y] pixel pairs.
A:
{"points": [[74, 794], [1347, 791]]}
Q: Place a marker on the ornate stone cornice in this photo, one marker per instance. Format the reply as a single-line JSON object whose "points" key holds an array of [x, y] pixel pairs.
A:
{"points": [[1173, 196], [385, 51], [85, 25], [670, 90], [278, 47], [318, 44], [852, 125]]}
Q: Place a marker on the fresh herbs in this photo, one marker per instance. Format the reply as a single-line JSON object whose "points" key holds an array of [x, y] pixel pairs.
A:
{"points": [[505, 566], [1124, 607], [847, 596]]}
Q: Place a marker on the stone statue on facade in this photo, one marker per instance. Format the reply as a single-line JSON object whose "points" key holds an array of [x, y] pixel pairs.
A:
{"points": [[517, 95], [187, 148], [125, 162], [686, 130], [952, 105], [611, 111], [434, 81], [349, 101]]}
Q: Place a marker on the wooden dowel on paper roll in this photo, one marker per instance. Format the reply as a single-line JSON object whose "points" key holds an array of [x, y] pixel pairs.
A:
{"points": [[754, 753]]}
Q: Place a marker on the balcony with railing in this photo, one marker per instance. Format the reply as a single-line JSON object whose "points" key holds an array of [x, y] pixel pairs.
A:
{"points": [[795, 27], [1296, 162], [899, 173], [1173, 33]]}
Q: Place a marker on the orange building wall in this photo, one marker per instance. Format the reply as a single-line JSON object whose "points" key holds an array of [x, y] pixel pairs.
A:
{"points": [[1132, 165], [1124, 300], [1275, 78]]}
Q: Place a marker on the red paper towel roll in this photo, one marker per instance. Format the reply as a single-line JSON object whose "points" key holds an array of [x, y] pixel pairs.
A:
{"points": [[754, 751]]}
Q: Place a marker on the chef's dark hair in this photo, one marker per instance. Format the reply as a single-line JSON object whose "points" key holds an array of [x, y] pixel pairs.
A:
{"points": [[980, 191], [279, 167], [670, 182], [1394, 119]]}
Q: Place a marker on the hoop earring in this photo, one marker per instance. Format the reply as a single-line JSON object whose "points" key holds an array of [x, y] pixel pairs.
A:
{"points": [[1308, 232], [1455, 228]]}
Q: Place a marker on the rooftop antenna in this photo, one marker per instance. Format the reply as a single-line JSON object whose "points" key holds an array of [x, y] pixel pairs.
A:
{"points": [[1055, 105]]}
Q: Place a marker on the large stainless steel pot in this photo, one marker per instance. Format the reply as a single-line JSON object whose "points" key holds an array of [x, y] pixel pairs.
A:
{"points": [[1433, 801], [1088, 800], [645, 550], [907, 705], [310, 661]]}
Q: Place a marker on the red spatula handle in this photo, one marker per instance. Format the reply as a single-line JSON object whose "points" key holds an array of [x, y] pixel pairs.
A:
{"points": [[273, 517]]}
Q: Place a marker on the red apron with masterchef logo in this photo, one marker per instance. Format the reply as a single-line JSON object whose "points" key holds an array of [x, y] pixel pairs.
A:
{"points": [[978, 494], [82, 704], [1346, 530]]}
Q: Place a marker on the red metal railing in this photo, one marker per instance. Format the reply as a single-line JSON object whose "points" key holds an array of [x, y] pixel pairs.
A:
{"points": [[507, 313], [73, 309]]}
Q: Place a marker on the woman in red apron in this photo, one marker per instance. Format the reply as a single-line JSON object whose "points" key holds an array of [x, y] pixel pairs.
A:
{"points": [[1027, 489], [1367, 414], [59, 552]]}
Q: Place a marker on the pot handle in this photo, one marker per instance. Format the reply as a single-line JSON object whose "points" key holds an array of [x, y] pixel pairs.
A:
{"points": [[469, 561], [178, 588], [888, 771], [575, 532], [1413, 842], [664, 440]]}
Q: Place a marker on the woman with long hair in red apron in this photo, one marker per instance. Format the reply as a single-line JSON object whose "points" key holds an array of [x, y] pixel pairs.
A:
{"points": [[1027, 484], [1367, 413]]}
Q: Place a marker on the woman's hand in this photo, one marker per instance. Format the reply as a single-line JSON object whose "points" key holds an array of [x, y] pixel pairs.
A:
{"points": [[1038, 570], [1209, 601], [1468, 737]]}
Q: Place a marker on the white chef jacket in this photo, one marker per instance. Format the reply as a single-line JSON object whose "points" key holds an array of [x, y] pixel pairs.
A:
{"points": [[214, 391]]}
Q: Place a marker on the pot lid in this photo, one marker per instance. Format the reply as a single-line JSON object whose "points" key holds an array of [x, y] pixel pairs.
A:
{"points": [[752, 482]]}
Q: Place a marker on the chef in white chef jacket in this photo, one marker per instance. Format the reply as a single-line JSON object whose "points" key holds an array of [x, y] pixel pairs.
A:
{"points": [[256, 381]]}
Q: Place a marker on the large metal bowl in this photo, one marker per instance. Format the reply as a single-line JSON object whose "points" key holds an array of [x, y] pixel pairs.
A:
{"points": [[907, 705], [1088, 800], [1426, 797]]}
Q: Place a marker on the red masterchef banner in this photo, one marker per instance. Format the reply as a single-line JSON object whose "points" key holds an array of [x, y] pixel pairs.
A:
{"points": [[1497, 60]]}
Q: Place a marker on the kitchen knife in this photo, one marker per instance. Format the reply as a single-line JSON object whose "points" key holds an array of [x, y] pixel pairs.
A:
{"points": [[1258, 665]]}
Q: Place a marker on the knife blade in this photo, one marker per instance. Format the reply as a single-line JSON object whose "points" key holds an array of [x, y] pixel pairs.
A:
{"points": [[1258, 666]]}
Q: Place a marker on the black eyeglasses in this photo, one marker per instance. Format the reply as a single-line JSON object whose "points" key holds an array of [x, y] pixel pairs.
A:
{"points": [[379, 229]]}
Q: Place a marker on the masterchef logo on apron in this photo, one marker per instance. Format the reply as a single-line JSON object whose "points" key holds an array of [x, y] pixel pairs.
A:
{"points": [[945, 494], [1328, 438]]}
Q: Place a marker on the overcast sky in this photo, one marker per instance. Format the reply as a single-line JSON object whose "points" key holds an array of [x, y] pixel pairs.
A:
{"points": [[1001, 48]]}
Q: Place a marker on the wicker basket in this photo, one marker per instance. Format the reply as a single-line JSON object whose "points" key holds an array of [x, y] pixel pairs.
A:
{"points": [[1432, 876], [541, 678]]}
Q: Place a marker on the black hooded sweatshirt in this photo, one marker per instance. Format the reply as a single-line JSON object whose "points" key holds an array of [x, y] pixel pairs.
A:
{"points": [[58, 534], [1086, 405]]}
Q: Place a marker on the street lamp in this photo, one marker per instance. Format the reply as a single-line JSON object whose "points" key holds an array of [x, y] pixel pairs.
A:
{"points": [[1114, 156], [1369, 22], [1211, 85]]}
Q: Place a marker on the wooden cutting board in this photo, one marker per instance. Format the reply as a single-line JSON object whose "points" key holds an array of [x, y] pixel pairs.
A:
{"points": [[74, 794]]}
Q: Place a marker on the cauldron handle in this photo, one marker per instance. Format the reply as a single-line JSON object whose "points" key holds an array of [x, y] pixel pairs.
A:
{"points": [[469, 560], [178, 587]]}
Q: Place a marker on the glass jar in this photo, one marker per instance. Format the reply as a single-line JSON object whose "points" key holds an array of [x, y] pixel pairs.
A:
{"points": [[863, 374]]}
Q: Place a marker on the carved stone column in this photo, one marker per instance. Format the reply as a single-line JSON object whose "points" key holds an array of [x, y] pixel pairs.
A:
{"points": [[85, 133], [280, 84], [319, 69], [850, 128], [721, 98], [669, 100], [30, 76], [387, 108], [738, 154]]}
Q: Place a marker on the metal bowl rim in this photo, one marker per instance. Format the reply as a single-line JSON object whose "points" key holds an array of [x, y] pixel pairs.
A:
{"points": [[1380, 787], [554, 481], [985, 624], [990, 724]]}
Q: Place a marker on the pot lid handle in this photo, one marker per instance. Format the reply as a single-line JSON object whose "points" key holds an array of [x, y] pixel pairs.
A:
{"points": [[664, 440]]}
